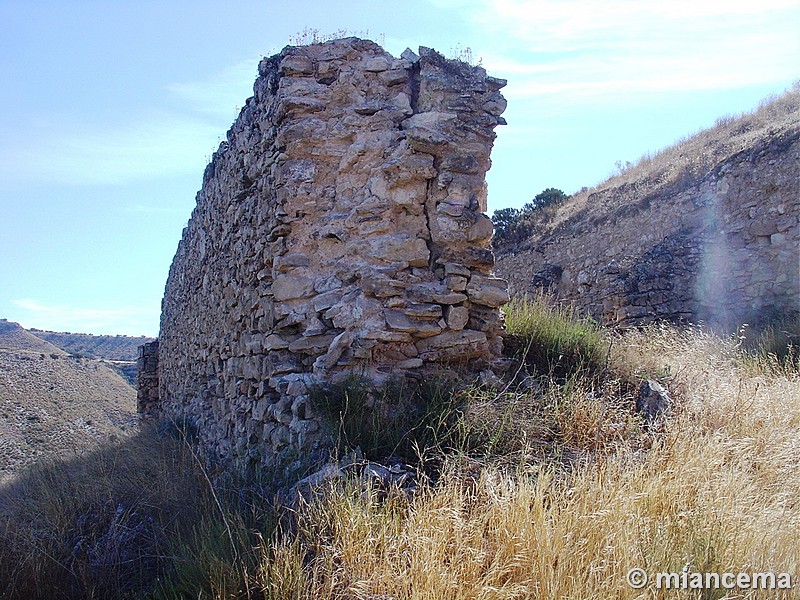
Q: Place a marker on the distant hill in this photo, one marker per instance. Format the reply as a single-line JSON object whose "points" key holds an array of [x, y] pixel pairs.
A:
{"points": [[54, 404], [109, 347], [15, 337]]}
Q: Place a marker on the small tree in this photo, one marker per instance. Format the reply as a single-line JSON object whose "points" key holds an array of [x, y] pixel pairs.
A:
{"points": [[504, 221], [512, 225], [544, 198]]}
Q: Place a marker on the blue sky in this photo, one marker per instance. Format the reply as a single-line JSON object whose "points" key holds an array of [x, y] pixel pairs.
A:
{"points": [[110, 111]]}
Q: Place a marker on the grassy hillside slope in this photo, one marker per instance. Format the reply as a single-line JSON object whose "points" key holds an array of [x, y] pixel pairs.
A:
{"points": [[663, 173], [14, 337], [52, 404]]}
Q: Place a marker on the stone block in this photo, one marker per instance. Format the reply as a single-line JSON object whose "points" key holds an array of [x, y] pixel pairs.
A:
{"points": [[452, 346], [285, 263], [488, 291], [296, 64], [382, 287], [393, 76], [423, 311], [399, 321], [400, 249], [289, 287], [481, 230], [457, 317], [456, 283], [314, 342]]}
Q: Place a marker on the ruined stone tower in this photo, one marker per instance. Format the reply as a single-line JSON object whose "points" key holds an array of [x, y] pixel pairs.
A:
{"points": [[340, 229]]}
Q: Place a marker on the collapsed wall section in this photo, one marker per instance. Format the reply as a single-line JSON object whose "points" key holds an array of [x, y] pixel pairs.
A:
{"points": [[340, 229]]}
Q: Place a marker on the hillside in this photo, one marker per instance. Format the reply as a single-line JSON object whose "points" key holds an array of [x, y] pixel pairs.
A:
{"points": [[14, 337], [705, 230], [54, 405], [109, 347]]}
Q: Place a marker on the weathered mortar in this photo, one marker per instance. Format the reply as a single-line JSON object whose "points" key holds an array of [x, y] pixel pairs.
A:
{"points": [[339, 230], [723, 249]]}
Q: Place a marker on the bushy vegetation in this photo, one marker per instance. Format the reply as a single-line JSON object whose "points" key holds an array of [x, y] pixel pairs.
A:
{"points": [[776, 344], [396, 419], [513, 225], [313, 35], [548, 485], [554, 339]]}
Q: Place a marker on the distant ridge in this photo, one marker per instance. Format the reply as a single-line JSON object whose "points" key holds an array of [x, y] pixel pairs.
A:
{"points": [[109, 347], [15, 337]]}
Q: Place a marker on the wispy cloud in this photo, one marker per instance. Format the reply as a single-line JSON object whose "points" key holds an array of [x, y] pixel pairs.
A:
{"points": [[176, 135], [222, 93], [570, 25], [92, 154], [107, 321], [584, 49]]}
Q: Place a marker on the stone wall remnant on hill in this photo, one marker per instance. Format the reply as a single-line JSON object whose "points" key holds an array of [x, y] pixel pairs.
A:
{"points": [[340, 229], [723, 249], [147, 379]]}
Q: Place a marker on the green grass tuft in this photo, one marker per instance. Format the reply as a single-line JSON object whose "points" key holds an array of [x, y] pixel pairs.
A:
{"points": [[398, 418], [777, 344], [554, 339]]}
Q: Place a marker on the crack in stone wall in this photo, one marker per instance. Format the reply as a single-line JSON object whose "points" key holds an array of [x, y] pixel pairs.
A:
{"points": [[340, 229]]}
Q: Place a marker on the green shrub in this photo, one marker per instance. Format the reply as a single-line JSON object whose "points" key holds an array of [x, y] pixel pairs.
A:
{"points": [[775, 345], [512, 225], [553, 339]]}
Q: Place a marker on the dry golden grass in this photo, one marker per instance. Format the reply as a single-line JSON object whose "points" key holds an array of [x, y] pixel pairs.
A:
{"points": [[719, 490], [552, 490]]}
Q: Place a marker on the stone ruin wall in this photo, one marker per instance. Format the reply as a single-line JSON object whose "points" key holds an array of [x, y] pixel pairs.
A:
{"points": [[724, 250], [340, 229], [147, 379]]}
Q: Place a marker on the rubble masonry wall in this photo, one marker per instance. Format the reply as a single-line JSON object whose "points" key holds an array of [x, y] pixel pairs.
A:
{"points": [[340, 229]]}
